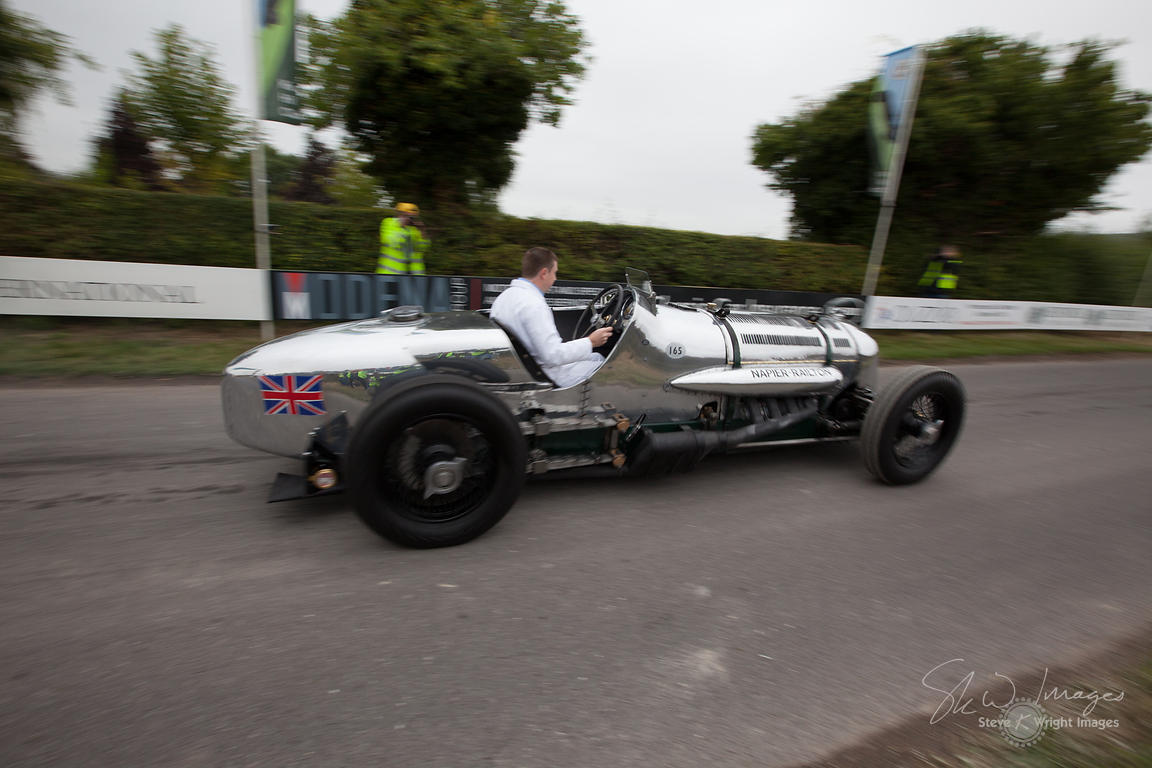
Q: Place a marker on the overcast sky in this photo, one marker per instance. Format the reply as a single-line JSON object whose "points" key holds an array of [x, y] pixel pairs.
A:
{"points": [[660, 131]]}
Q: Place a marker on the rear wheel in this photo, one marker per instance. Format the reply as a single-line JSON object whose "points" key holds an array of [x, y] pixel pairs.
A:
{"points": [[912, 425], [435, 465]]}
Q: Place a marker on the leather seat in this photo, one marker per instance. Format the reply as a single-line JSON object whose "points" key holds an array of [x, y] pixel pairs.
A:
{"points": [[529, 362]]}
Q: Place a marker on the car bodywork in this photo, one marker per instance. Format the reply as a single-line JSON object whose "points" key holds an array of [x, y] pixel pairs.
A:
{"points": [[679, 383]]}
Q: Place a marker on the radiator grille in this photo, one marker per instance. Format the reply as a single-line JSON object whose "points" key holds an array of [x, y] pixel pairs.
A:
{"points": [[779, 338], [750, 319]]}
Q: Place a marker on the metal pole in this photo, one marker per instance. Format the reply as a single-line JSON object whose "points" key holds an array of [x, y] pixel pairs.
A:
{"points": [[892, 183], [1141, 299], [260, 224], [260, 182]]}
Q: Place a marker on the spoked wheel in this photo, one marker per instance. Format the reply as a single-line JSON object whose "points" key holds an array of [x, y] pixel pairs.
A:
{"points": [[912, 425], [435, 465], [438, 469]]}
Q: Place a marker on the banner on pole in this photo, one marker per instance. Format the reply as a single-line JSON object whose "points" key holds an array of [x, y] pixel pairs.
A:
{"points": [[278, 96], [889, 107]]}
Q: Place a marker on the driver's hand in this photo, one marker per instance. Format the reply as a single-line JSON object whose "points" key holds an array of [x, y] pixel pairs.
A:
{"points": [[599, 336]]}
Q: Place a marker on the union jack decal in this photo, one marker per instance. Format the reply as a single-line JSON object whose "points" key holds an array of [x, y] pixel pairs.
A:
{"points": [[292, 395]]}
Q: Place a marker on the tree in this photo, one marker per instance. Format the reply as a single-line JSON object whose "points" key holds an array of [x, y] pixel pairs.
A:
{"points": [[323, 176], [437, 93], [350, 185], [1005, 140], [181, 101], [314, 177], [281, 169], [123, 155], [31, 59]]}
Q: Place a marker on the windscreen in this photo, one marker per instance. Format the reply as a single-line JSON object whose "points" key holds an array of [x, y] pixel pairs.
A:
{"points": [[638, 279]]}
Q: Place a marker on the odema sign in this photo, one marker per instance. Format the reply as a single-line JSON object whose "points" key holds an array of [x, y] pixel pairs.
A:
{"points": [[355, 296]]}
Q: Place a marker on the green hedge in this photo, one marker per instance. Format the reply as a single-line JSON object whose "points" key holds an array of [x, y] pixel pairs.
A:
{"points": [[80, 222], [59, 220], [74, 221], [1073, 267]]}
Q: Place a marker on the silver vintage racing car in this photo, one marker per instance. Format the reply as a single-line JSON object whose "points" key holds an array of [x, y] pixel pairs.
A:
{"points": [[433, 421]]}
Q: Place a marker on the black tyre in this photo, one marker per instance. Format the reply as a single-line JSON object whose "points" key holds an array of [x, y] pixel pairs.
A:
{"points": [[912, 424], [436, 463]]}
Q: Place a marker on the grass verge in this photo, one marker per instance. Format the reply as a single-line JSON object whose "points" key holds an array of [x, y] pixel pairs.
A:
{"points": [[925, 345], [37, 347], [46, 347]]}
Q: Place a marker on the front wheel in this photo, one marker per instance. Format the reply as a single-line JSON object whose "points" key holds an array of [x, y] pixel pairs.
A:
{"points": [[435, 465], [912, 425]]}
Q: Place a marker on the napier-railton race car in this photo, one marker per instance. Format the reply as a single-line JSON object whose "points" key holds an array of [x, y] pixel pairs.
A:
{"points": [[433, 421]]}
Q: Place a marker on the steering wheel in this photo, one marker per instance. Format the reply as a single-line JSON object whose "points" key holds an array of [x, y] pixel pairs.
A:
{"points": [[606, 309]]}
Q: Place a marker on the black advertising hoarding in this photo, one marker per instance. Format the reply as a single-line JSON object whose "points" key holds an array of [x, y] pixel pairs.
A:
{"points": [[335, 296]]}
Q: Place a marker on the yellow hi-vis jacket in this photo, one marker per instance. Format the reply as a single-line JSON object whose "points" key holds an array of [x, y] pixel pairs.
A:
{"points": [[401, 249], [942, 273]]}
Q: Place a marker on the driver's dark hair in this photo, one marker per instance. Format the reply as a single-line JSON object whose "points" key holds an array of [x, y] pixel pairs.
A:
{"points": [[536, 259]]}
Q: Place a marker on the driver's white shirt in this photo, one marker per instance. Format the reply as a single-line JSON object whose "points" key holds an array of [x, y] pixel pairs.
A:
{"points": [[521, 309]]}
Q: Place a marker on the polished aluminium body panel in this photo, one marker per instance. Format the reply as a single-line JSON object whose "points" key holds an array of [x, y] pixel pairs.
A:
{"points": [[861, 364], [355, 359], [763, 380], [773, 339], [658, 344], [667, 365]]}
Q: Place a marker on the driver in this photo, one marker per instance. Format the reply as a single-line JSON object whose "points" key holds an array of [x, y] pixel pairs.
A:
{"points": [[521, 309]]}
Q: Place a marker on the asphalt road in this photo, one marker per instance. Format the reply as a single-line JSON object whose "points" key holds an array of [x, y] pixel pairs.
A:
{"points": [[764, 610]]}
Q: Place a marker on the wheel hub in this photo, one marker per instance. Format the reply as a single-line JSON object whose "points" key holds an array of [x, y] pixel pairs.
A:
{"points": [[930, 431], [443, 477]]}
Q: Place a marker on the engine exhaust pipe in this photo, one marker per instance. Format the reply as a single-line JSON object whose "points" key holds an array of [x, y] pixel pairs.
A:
{"points": [[667, 452]]}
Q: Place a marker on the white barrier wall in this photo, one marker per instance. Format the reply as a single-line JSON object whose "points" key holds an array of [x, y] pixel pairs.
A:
{"points": [[124, 289], [967, 315]]}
